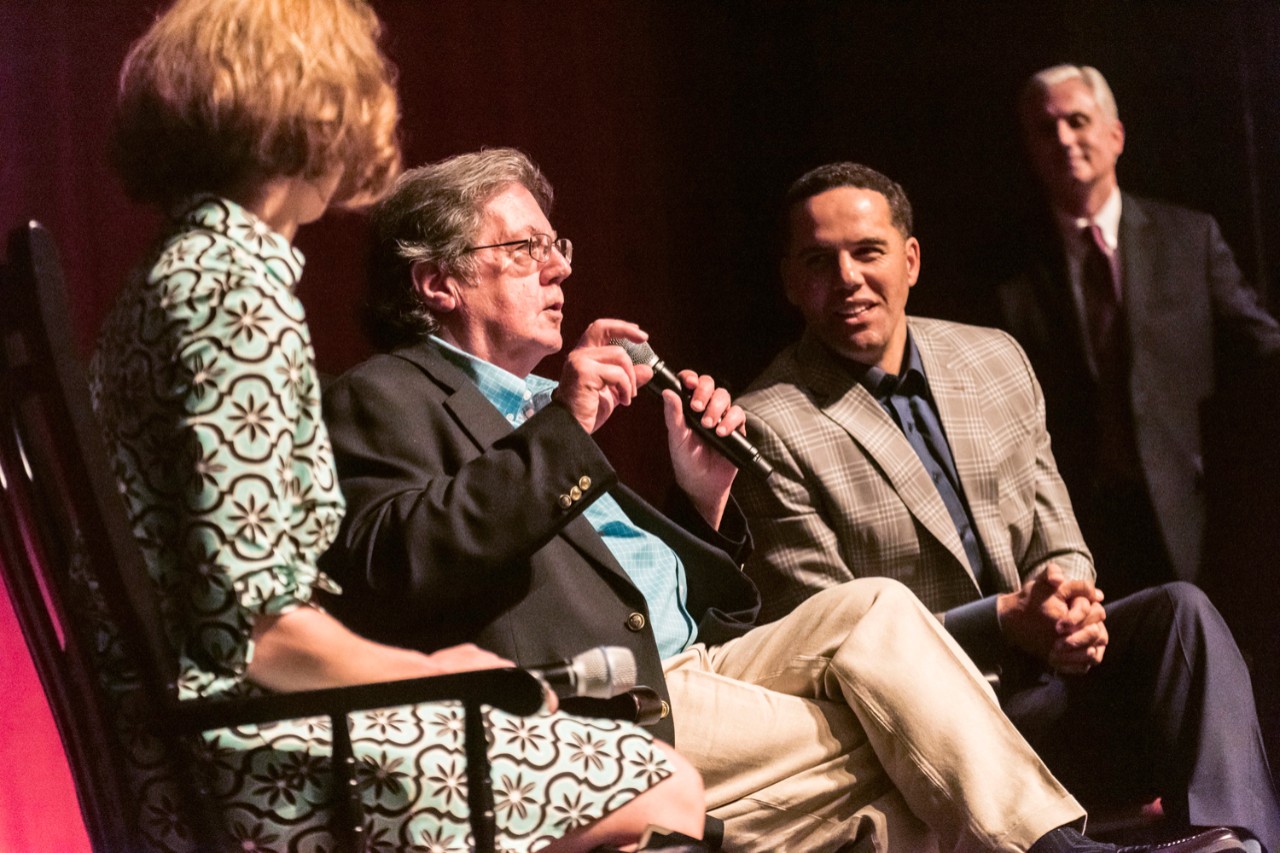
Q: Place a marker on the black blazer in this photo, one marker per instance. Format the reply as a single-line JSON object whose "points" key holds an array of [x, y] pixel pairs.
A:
{"points": [[1190, 318], [457, 528]]}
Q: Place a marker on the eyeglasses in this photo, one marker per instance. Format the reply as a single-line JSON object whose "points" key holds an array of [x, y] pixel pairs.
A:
{"points": [[538, 246]]}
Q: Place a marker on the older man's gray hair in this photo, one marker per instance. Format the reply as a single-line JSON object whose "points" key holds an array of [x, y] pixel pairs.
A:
{"points": [[432, 215]]}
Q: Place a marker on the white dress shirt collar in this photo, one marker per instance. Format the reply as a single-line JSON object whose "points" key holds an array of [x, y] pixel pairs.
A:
{"points": [[1107, 218]]}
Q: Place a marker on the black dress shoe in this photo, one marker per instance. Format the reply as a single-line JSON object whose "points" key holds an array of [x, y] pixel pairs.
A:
{"points": [[1217, 840]]}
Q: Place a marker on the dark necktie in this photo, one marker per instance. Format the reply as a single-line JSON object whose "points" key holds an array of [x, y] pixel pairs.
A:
{"points": [[1100, 281], [1100, 285], [906, 402]]}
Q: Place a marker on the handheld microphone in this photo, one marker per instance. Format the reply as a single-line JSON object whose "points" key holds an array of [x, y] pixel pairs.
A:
{"points": [[733, 446], [601, 673]]}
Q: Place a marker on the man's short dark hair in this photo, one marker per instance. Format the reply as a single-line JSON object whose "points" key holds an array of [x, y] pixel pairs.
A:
{"points": [[833, 175]]}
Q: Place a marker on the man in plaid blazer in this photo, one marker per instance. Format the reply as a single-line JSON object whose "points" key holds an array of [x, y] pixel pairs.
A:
{"points": [[916, 449]]}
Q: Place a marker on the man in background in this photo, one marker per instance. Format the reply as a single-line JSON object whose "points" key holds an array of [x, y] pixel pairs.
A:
{"points": [[1131, 311]]}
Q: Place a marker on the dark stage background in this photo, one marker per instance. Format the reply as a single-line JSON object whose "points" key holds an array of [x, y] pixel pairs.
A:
{"points": [[669, 130]]}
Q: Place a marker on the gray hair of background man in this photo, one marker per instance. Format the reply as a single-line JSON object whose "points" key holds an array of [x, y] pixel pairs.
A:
{"points": [[1041, 81], [433, 214], [833, 175]]}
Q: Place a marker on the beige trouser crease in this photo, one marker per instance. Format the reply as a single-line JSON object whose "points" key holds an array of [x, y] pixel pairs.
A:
{"points": [[858, 717]]}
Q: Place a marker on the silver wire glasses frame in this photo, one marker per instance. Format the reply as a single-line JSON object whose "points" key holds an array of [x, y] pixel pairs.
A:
{"points": [[537, 245]]}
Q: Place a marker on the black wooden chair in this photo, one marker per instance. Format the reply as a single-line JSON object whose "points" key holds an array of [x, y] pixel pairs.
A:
{"points": [[59, 508]]}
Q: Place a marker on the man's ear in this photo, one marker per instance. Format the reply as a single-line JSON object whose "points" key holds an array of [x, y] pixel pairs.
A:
{"points": [[912, 250], [439, 291]]}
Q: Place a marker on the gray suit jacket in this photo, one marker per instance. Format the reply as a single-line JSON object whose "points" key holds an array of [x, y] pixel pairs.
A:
{"points": [[1190, 320], [850, 498]]}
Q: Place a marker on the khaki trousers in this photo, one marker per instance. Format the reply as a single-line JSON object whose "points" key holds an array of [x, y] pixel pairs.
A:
{"points": [[857, 718]]}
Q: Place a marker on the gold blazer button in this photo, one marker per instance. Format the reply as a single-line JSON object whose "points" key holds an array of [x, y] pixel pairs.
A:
{"points": [[635, 622], [584, 483], [565, 501]]}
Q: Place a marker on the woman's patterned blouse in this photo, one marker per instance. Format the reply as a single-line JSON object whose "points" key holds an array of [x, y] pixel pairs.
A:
{"points": [[204, 383]]}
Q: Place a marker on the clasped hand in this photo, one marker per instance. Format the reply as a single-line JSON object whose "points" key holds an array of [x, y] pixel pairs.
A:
{"points": [[1059, 621]]}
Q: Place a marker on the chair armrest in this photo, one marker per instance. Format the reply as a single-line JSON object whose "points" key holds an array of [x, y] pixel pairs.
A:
{"points": [[512, 690]]}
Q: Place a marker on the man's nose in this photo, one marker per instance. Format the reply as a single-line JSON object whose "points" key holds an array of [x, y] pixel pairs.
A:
{"points": [[557, 268], [1066, 135], [850, 271]]}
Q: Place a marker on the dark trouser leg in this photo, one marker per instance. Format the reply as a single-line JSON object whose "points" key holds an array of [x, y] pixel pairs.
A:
{"points": [[1169, 712]]}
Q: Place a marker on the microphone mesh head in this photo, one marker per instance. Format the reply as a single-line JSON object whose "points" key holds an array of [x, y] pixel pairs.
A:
{"points": [[605, 671], [638, 353]]}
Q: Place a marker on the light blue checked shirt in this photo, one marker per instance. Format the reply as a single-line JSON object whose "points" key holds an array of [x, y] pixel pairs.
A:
{"points": [[655, 569]]}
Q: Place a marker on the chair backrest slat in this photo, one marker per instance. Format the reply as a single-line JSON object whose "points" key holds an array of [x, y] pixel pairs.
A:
{"points": [[80, 457], [37, 535]]}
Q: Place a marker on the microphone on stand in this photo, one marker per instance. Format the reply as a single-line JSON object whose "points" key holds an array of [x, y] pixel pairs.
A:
{"points": [[600, 673], [733, 446]]}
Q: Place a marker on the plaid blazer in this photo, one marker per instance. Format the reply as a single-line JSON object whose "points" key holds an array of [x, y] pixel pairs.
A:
{"points": [[850, 498]]}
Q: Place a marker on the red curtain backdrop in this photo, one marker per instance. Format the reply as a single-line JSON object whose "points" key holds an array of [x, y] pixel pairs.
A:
{"points": [[669, 130]]}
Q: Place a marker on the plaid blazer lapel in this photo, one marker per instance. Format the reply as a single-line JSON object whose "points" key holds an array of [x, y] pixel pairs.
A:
{"points": [[961, 410], [852, 408]]}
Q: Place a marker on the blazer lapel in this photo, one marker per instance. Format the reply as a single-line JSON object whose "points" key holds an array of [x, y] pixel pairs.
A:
{"points": [[1064, 325], [485, 425], [960, 408], [852, 408], [473, 414], [1137, 273], [1037, 303]]}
